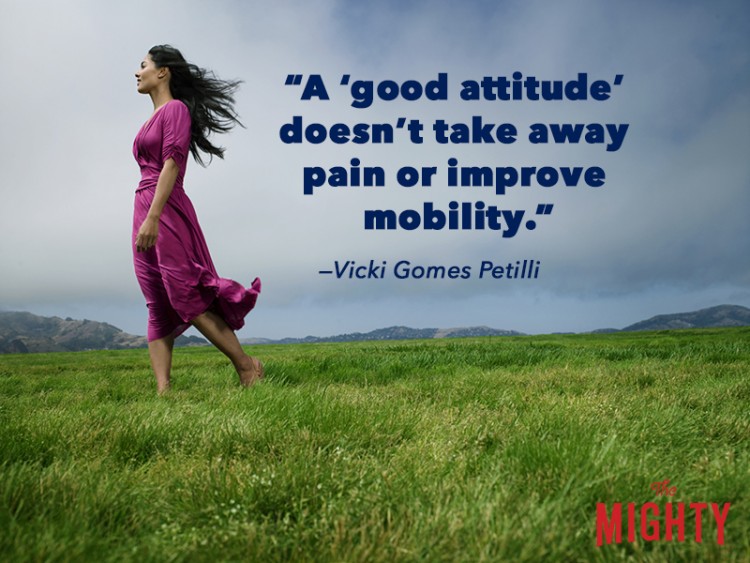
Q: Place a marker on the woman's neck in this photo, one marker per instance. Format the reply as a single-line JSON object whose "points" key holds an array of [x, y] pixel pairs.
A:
{"points": [[160, 96]]}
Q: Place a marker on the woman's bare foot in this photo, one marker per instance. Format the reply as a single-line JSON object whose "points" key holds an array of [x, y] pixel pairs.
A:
{"points": [[251, 371], [163, 386]]}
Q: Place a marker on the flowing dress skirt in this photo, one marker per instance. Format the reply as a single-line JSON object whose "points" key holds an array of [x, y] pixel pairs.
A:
{"points": [[178, 277]]}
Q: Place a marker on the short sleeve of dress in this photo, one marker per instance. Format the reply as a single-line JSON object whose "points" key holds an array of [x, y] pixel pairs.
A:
{"points": [[176, 132]]}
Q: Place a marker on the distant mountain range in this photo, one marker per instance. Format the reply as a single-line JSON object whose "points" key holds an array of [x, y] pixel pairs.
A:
{"points": [[713, 317], [392, 333], [24, 332]]}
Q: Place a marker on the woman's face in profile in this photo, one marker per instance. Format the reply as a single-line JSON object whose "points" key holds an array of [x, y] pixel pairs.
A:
{"points": [[146, 76]]}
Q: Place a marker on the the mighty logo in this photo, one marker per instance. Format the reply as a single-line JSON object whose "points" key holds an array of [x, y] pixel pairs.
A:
{"points": [[646, 520]]}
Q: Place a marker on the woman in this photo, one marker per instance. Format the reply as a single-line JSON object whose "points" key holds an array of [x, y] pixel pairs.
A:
{"points": [[172, 262]]}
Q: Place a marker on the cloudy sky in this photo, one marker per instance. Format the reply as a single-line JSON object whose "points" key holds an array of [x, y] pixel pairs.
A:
{"points": [[668, 232]]}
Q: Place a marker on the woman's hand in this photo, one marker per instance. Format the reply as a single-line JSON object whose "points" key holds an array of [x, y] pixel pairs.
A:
{"points": [[146, 237]]}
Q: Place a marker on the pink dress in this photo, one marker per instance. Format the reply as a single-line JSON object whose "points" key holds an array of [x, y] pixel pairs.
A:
{"points": [[177, 276]]}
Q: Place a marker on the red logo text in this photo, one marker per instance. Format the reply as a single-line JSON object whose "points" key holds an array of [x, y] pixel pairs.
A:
{"points": [[679, 519]]}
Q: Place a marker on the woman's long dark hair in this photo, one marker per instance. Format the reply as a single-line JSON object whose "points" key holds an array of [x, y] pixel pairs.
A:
{"points": [[209, 99]]}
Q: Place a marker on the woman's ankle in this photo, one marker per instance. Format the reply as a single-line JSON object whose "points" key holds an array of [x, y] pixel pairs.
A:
{"points": [[163, 385]]}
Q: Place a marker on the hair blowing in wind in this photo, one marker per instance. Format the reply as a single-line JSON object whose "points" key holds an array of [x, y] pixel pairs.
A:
{"points": [[209, 99]]}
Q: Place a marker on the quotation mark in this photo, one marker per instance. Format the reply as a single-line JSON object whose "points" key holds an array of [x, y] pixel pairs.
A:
{"points": [[541, 209], [293, 80], [544, 209]]}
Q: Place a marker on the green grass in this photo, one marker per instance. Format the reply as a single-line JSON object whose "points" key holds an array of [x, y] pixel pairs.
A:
{"points": [[481, 449]]}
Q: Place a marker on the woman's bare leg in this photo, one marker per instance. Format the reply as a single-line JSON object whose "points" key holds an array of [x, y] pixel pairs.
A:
{"points": [[213, 327], [160, 352]]}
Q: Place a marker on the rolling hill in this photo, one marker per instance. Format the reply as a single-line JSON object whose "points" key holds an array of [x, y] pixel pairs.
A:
{"points": [[22, 332]]}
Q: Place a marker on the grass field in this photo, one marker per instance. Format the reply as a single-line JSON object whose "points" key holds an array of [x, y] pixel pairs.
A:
{"points": [[482, 449]]}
